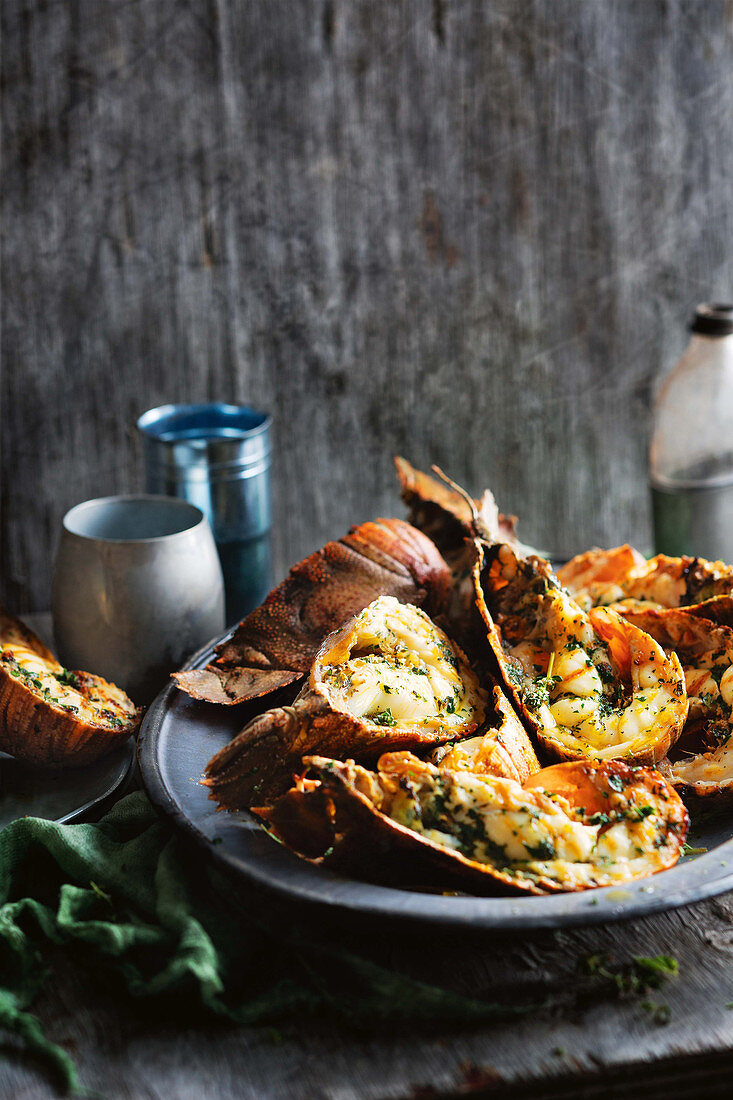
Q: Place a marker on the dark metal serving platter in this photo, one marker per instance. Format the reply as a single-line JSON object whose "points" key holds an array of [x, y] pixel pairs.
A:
{"points": [[179, 736]]}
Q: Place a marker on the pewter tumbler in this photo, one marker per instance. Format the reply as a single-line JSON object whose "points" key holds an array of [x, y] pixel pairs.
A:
{"points": [[137, 589]]}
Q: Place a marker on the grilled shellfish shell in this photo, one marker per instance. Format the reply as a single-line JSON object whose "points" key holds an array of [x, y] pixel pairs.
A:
{"points": [[388, 679], [701, 762], [572, 826], [53, 717], [623, 579], [275, 645], [502, 749], [586, 684]]}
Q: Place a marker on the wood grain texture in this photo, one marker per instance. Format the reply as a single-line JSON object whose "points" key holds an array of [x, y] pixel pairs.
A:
{"points": [[608, 1047], [471, 232], [597, 1046]]}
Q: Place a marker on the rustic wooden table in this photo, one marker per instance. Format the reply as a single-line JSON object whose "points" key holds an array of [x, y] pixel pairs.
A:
{"points": [[614, 1047], [605, 1044]]}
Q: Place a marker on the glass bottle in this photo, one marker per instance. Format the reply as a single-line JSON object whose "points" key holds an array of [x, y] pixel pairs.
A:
{"points": [[691, 456]]}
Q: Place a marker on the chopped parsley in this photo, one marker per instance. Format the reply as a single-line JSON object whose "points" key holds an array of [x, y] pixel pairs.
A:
{"points": [[688, 850], [449, 655], [100, 892], [536, 695], [636, 977], [515, 673], [542, 850]]}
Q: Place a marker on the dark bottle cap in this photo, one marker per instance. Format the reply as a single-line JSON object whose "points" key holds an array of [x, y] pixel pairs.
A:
{"points": [[714, 319]]}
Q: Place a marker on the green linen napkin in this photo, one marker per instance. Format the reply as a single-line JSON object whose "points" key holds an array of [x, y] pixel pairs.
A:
{"points": [[127, 892]]}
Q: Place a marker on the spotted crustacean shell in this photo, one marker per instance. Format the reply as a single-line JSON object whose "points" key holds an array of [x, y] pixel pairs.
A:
{"points": [[623, 579], [585, 684], [53, 717], [572, 826], [448, 516], [502, 748], [452, 519], [701, 762], [389, 678], [275, 644], [704, 774], [597, 576]]}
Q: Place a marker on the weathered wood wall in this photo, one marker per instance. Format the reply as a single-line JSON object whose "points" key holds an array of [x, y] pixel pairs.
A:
{"points": [[468, 231]]}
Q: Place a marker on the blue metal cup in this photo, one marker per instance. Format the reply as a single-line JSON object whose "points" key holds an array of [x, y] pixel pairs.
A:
{"points": [[218, 457]]}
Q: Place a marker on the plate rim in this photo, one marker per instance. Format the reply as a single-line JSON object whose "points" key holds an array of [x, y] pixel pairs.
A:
{"points": [[106, 795], [677, 887], [131, 746]]}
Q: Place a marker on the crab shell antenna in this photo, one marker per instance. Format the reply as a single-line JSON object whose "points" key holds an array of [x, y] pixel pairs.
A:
{"points": [[462, 493]]}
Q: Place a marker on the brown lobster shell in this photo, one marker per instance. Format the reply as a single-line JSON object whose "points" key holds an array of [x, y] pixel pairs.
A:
{"points": [[260, 761], [276, 643], [503, 749], [14, 632], [682, 629], [621, 577], [596, 571], [345, 819], [445, 514], [515, 595], [701, 762], [49, 716]]}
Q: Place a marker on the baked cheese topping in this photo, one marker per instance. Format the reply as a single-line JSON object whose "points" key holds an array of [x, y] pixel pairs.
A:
{"points": [[709, 684], [710, 769], [536, 834], [88, 700], [566, 679], [402, 670], [621, 578], [657, 587], [598, 594]]}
